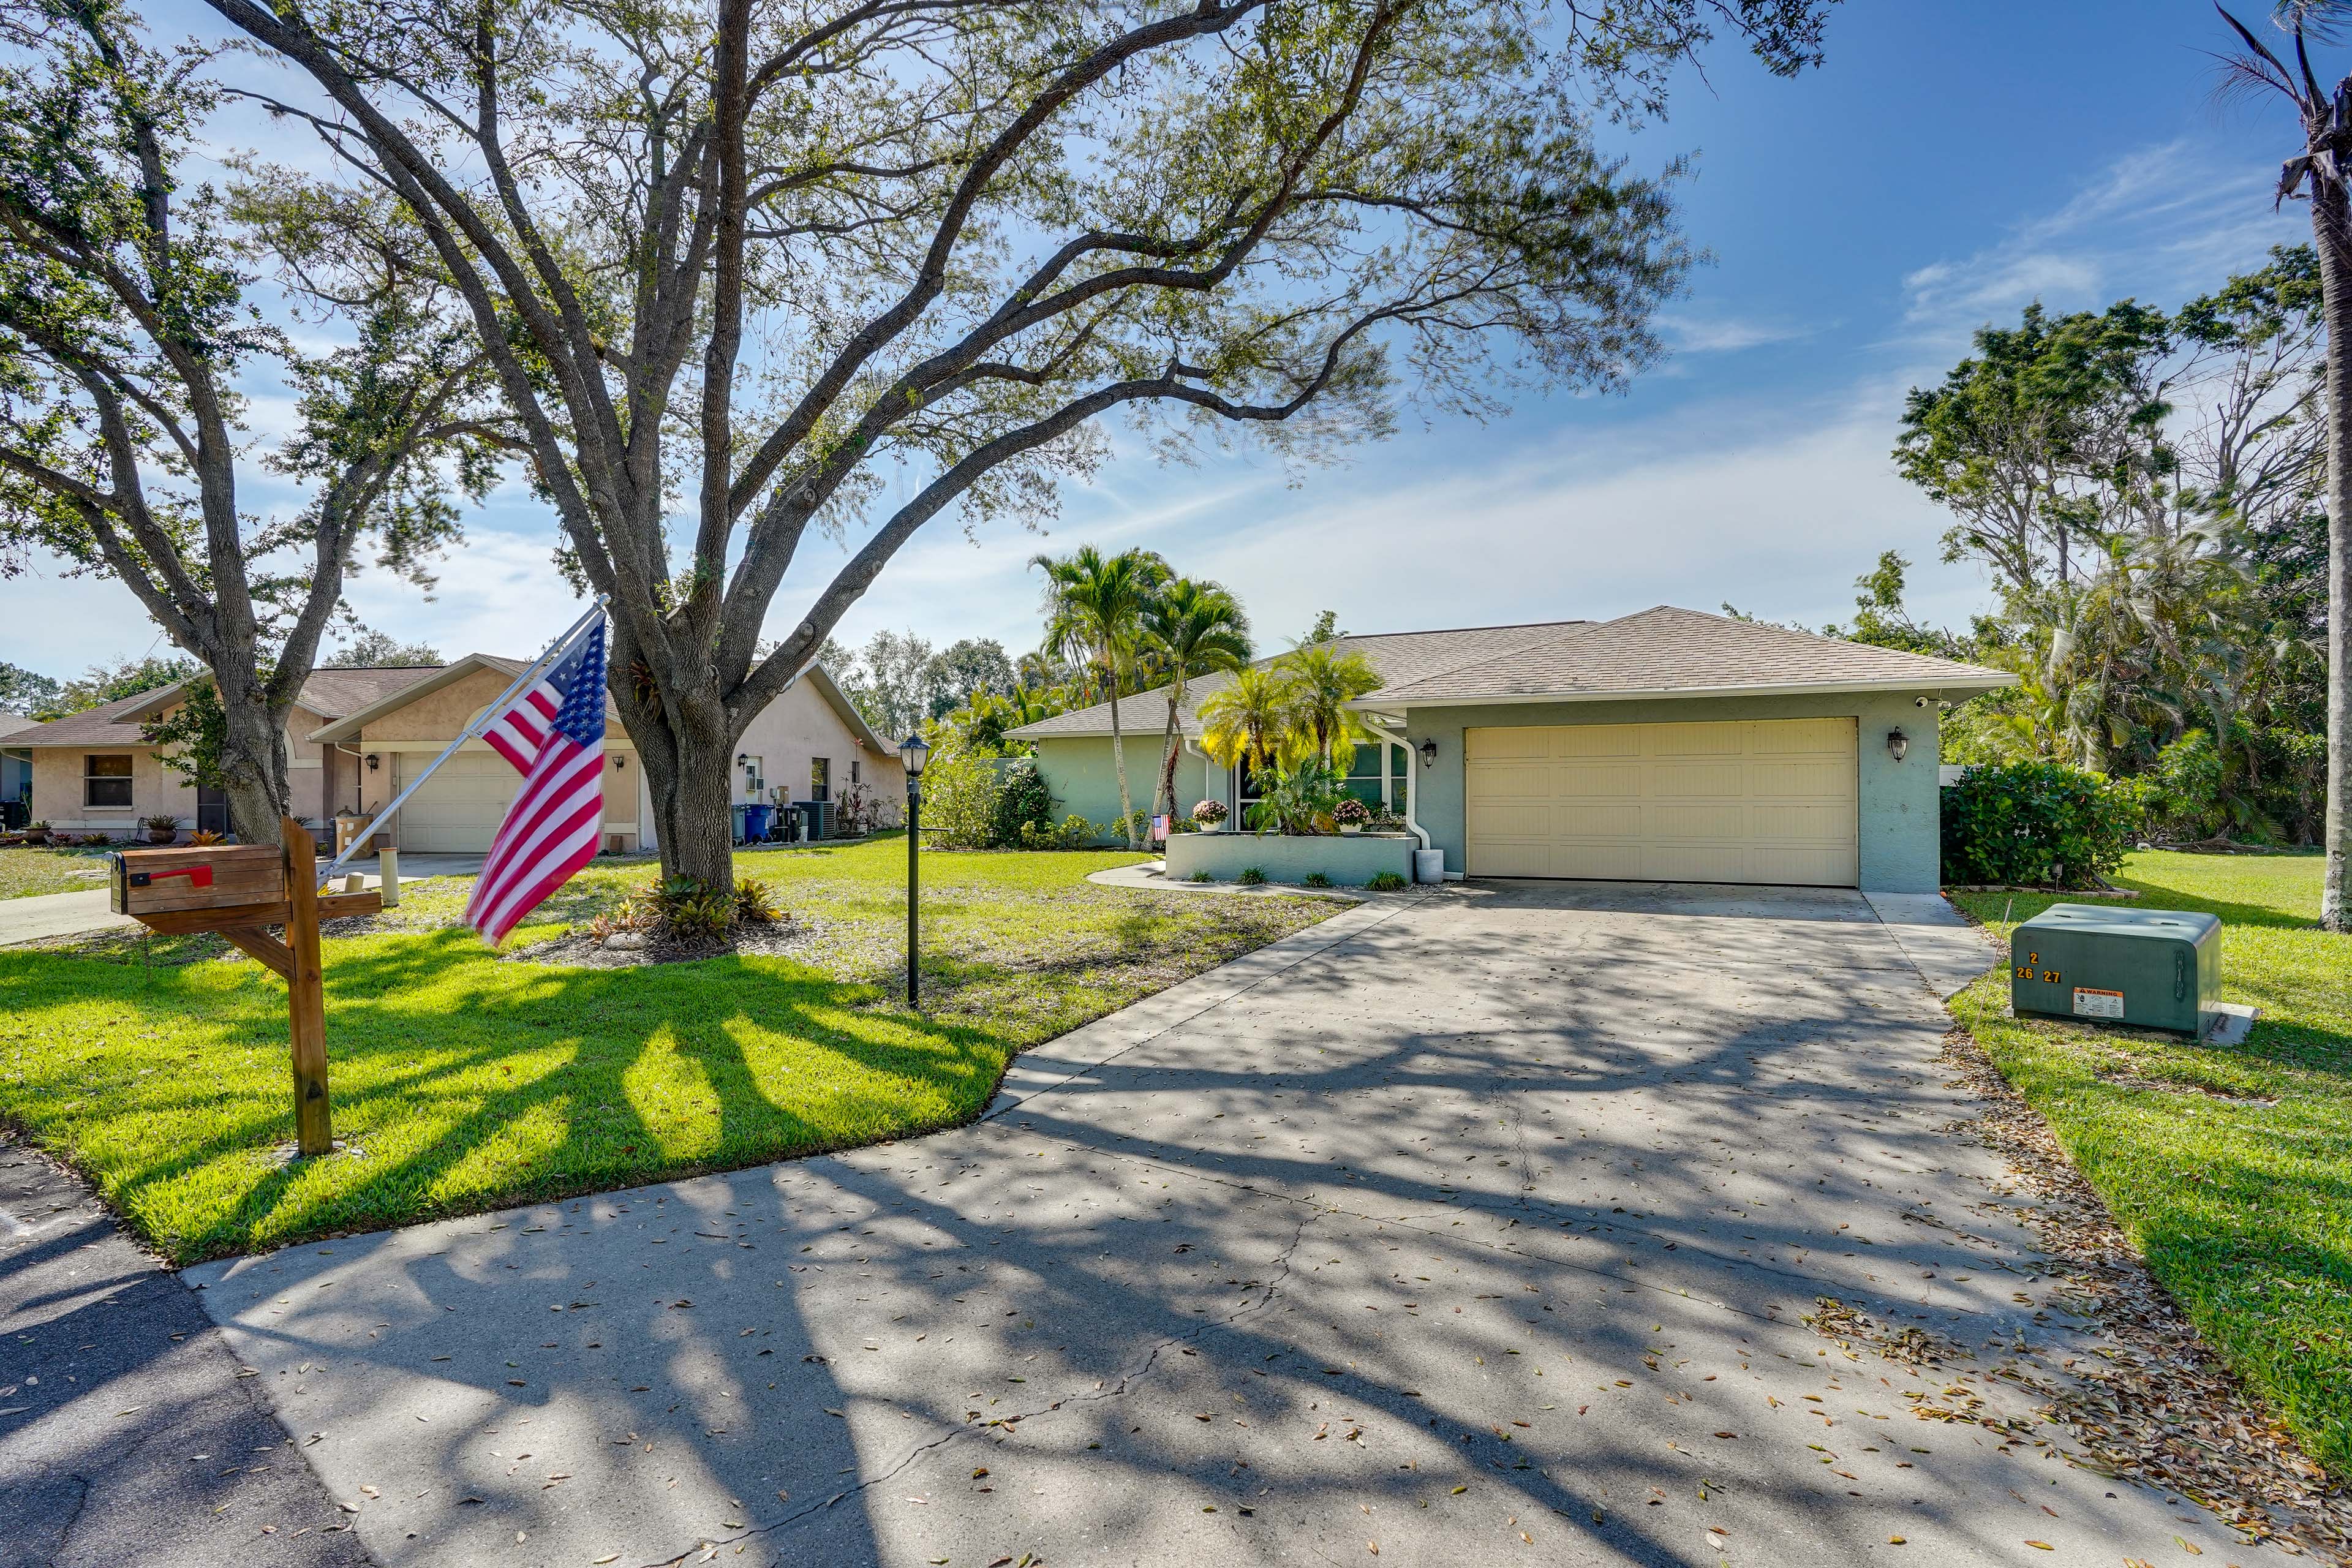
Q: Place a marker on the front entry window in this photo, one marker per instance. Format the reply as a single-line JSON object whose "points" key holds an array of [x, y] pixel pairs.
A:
{"points": [[106, 779]]}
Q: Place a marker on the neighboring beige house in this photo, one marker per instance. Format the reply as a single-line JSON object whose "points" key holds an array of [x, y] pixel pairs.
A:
{"points": [[356, 736]]}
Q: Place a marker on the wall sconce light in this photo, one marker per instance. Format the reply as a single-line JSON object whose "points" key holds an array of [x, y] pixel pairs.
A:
{"points": [[1429, 754], [1898, 744], [374, 762], [742, 758], [619, 761]]}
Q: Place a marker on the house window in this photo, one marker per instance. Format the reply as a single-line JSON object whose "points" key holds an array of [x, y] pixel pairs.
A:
{"points": [[106, 779], [1247, 792], [821, 778], [853, 771]]}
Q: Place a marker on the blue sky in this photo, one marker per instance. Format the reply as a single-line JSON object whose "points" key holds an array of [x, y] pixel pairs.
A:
{"points": [[1948, 165]]}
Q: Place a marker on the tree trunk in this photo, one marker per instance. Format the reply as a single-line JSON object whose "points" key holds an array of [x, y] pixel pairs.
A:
{"points": [[1118, 766], [1168, 742], [2331, 227], [253, 764], [694, 811]]}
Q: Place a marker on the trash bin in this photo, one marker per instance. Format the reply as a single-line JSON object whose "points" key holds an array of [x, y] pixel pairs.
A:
{"points": [[755, 824], [740, 810], [1429, 865]]}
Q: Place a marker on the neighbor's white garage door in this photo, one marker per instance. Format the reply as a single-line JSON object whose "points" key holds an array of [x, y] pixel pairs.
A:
{"points": [[459, 807], [1750, 801]]}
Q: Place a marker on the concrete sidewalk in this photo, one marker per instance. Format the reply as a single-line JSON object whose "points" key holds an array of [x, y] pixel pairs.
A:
{"points": [[1492, 1226]]}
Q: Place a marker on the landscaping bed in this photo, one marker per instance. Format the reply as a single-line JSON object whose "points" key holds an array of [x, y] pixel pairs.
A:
{"points": [[463, 1081], [2230, 1169]]}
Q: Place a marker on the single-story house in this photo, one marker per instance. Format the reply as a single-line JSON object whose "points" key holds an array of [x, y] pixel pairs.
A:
{"points": [[16, 761], [1669, 745], [356, 736]]}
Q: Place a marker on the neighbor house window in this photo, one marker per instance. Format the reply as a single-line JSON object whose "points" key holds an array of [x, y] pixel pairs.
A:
{"points": [[106, 779], [852, 770], [821, 778]]}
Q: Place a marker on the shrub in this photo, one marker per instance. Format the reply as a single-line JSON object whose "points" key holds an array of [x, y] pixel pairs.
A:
{"points": [[754, 905], [1251, 877], [1300, 800], [1208, 813], [959, 798], [1203, 877], [204, 836], [2037, 822], [1385, 882], [1075, 832], [1021, 800], [1315, 880], [1351, 811]]}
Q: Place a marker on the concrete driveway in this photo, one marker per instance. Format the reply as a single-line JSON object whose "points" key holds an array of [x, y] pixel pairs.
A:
{"points": [[1477, 1227]]}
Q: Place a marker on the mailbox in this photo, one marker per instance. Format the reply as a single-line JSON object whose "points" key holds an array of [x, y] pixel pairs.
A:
{"points": [[197, 877]]}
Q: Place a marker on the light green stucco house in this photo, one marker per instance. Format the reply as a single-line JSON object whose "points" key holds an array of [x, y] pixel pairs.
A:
{"points": [[1665, 746]]}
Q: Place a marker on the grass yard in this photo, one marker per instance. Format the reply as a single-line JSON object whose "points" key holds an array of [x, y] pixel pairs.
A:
{"points": [[463, 1081], [2232, 1169], [25, 870]]}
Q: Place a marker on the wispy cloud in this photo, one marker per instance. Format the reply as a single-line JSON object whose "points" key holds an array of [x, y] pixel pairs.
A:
{"points": [[2161, 223], [1694, 335]]}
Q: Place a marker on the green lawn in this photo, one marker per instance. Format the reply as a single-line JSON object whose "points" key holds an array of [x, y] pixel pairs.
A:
{"points": [[462, 1081], [2243, 1208], [25, 870]]}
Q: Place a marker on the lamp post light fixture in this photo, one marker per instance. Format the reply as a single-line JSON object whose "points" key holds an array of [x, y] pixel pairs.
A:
{"points": [[914, 752]]}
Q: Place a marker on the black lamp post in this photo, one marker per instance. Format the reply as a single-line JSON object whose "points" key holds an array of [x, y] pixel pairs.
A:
{"points": [[914, 753]]}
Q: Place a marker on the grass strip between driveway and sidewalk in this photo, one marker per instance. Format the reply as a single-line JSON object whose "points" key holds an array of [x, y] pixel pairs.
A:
{"points": [[463, 1081], [2230, 1168]]}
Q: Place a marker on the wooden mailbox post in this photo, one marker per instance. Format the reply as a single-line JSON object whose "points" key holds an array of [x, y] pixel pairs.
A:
{"points": [[240, 890]]}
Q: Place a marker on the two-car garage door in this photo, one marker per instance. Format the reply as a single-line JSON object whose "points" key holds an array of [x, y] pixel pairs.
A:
{"points": [[1745, 801]]}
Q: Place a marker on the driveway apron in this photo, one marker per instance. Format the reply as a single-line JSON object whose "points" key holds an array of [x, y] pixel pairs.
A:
{"points": [[1492, 1225]]}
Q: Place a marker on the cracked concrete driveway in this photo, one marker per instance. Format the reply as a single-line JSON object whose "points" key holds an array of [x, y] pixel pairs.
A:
{"points": [[1458, 1227]]}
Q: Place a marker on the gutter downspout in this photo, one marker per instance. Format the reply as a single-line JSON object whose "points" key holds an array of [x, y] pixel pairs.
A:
{"points": [[1412, 793]]}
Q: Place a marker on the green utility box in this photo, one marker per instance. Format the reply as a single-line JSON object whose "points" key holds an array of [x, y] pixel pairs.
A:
{"points": [[2160, 969]]}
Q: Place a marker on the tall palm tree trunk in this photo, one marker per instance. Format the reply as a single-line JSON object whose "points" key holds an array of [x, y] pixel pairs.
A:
{"points": [[1165, 798], [1118, 766], [2331, 227]]}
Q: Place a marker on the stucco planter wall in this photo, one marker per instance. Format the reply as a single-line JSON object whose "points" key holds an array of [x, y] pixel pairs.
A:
{"points": [[1349, 862]]}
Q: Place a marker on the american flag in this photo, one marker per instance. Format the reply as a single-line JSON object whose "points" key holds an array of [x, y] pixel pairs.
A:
{"points": [[554, 733]]}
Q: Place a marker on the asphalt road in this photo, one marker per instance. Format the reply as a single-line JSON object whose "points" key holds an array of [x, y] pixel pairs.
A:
{"points": [[1481, 1227], [128, 1435]]}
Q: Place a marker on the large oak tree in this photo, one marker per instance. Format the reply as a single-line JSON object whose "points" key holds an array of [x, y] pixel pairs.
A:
{"points": [[754, 273], [129, 347]]}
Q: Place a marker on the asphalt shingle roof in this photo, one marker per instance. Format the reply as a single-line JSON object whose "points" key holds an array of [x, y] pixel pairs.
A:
{"points": [[1398, 656], [1667, 649], [1663, 650], [330, 693]]}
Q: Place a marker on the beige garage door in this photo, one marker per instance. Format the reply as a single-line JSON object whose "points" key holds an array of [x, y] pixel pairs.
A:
{"points": [[1751, 801], [459, 807]]}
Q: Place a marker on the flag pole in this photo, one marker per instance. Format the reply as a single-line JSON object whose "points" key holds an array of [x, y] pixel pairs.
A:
{"points": [[554, 651]]}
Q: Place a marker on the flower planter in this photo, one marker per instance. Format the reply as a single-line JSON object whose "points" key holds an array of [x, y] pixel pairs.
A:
{"points": [[1349, 829], [1349, 862], [161, 835]]}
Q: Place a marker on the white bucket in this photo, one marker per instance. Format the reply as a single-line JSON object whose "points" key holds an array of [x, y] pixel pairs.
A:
{"points": [[1429, 866]]}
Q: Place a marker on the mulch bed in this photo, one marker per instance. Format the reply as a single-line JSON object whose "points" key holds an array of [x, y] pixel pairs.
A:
{"points": [[2160, 1406], [582, 949]]}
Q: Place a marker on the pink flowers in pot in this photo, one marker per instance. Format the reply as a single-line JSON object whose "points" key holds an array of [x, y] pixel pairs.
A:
{"points": [[1209, 813]]}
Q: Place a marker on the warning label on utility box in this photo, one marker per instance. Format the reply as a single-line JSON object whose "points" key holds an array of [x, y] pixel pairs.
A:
{"points": [[2090, 1004]]}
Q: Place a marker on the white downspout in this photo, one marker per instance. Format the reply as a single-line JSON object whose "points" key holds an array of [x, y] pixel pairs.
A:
{"points": [[1412, 794]]}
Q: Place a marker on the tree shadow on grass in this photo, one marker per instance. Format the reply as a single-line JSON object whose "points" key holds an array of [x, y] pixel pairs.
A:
{"points": [[460, 1085]]}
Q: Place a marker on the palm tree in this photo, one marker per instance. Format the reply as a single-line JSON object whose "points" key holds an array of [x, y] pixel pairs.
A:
{"points": [[1093, 615], [2320, 172], [1249, 720], [1324, 679], [1192, 629]]}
